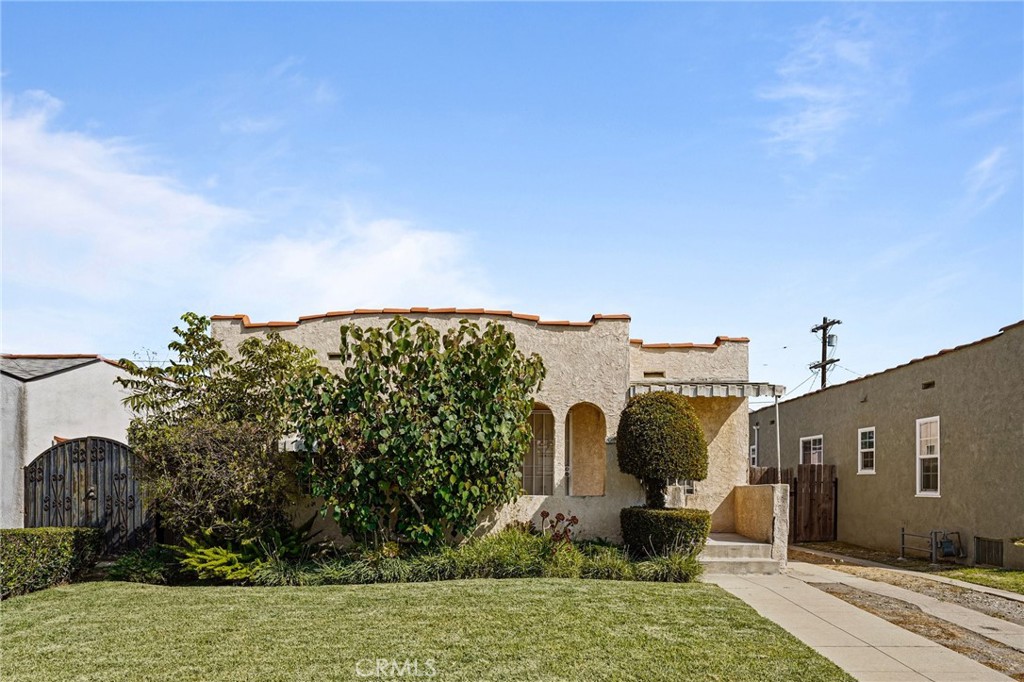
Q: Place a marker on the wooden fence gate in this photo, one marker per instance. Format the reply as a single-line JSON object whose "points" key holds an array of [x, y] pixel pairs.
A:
{"points": [[88, 482], [813, 499]]}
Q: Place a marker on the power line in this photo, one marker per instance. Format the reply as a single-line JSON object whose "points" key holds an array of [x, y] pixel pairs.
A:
{"points": [[789, 392], [850, 371], [813, 374]]}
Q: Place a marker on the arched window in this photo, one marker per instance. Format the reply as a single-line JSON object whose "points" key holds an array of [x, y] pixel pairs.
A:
{"points": [[585, 435], [539, 464]]}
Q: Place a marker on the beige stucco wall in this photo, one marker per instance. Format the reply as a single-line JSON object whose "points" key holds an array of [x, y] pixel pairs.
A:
{"points": [[762, 514], [585, 364], [752, 501], [978, 399], [726, 361], [725, 426], [72, 404]]}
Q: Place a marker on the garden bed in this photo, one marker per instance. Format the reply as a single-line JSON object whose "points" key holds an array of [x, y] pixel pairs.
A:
{"points": [[533, 629]]}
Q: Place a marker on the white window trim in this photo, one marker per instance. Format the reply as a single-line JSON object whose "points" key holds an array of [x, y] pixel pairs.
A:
{"points": [[753, 448], [937, 456], [689, 486], [861, 471], [818, 437]]}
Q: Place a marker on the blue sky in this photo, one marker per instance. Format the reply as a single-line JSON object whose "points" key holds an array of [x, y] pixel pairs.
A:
{"points": [[735, 169]]}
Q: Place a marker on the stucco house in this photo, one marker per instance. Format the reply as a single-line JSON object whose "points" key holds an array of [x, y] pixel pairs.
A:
{"points": [[933, 444], [592, 369], [48, 399]]}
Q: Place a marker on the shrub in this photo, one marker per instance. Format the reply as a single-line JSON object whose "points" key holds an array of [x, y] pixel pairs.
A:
{"points": [[565, 562], [283, 572], [358, 572], [510, 553], [227, 563], [606, 563], [207, 429], [677, 567], [204, 477], [155, 565], [391, 570], [660, 437], [246, 561], [36, 558], [441, 565], [421, 433], [653, 532]]}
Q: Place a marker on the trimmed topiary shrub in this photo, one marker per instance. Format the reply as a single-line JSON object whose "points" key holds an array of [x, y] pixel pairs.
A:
{"points": [[659, 532], [36, 558], [660, 437]]}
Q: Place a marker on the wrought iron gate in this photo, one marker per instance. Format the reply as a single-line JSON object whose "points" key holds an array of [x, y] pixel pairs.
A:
{"points": [[88, 482]]}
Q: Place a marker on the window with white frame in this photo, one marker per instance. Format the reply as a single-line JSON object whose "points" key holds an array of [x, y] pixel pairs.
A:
{"points": [[539, 463], [753, 448], [928, 457], [866, 450], [812, 450], [686, 484]]}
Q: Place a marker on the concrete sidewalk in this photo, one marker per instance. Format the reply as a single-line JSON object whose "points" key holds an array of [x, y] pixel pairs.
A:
{"points": [[1002, 631], [867, 647]]}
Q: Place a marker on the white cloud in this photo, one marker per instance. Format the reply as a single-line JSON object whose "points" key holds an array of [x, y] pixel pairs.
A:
{"points": [[379, 263], [80, 219], [92, 237], [988, 179], [833, 76]]}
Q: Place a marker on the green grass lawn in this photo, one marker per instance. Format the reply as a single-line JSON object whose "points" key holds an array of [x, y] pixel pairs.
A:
{"points": [[999, 578], [536, 629]]}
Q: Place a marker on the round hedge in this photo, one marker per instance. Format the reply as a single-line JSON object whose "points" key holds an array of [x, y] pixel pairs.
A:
{"points": [[660, 437], [652, 532]]}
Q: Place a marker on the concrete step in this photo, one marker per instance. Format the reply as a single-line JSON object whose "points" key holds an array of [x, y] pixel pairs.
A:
{"points": [[729, 553], [751, 550], [738, 566]]}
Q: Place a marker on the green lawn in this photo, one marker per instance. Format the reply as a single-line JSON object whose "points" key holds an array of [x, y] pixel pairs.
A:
{"points": [[537, 629], [999, 578]]}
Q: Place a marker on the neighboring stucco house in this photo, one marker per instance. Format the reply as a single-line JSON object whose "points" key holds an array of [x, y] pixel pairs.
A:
{"points": [[592, 369], [934, 444], [48, 397]]}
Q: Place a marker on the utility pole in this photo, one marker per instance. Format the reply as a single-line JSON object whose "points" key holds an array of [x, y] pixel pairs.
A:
{"points": [[825, 325]]}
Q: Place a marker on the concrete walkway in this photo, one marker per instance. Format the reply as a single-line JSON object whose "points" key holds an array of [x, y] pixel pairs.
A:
{"points": [[1002, 631], [867, 647]]}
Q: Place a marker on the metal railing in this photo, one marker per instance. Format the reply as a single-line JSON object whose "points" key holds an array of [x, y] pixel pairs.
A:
{"points": [[940, 543]]}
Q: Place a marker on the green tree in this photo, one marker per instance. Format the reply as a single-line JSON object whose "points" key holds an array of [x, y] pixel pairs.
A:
{"points": [[207, 431], [203, 381], [660, 437], [421, 432]]}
